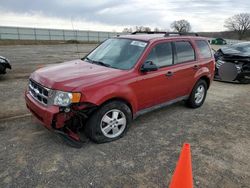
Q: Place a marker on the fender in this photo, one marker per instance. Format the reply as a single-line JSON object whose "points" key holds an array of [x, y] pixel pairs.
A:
{"points": [[100, 96], [203, 71]]}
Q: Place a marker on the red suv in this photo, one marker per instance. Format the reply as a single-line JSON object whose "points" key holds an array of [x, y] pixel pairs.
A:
{"points": [[122, 78]]}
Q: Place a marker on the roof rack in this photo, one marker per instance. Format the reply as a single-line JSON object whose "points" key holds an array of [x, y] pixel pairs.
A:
{"points": [[166, 34]]}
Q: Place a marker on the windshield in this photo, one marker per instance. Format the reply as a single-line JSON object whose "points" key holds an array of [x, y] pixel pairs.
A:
{"points": [[117, 53]]}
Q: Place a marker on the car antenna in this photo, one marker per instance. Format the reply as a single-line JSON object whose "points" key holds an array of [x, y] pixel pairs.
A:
{"points": [[76, 42]]}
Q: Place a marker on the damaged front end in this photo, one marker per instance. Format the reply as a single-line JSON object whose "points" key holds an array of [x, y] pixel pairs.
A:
{"points": [[61, 112], [232, 67], [70, 121]]}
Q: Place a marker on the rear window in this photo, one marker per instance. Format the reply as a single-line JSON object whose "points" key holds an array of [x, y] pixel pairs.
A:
{"points": [[204, 48], [184, 52]]}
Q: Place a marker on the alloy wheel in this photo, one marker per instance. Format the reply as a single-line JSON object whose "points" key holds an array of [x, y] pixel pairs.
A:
{"points": [[113, 123], [199, 94]]}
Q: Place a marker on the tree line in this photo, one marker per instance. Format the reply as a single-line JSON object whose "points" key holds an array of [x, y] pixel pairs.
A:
{"points": [[181, 26], [238, 23]]}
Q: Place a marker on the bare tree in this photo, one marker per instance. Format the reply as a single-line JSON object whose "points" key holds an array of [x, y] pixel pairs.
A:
{"points": [[147, 29], [181, 26], [127, 30], [142, 29], [156, 29], [239, 23]]}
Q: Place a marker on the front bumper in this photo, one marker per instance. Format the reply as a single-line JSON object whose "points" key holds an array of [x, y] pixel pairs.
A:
{"points": [[45, 114], [57, 120]]}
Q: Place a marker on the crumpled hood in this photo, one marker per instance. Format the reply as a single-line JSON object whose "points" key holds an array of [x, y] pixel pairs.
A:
{"points": [[227, 50], [73, 74], [231, 55]]}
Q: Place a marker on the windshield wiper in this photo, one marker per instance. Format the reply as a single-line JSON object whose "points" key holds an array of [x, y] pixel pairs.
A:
{"points": [[101, 63], [89, 60], [97, 62]]}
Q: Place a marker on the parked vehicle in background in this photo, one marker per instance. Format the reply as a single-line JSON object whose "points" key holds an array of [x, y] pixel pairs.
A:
{"points": [[219, 41], [233, 63], [4, 64], [122, 78]]}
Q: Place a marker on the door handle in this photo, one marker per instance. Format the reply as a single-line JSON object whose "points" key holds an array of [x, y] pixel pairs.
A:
{"points": [[169, 73], [196, 67]]}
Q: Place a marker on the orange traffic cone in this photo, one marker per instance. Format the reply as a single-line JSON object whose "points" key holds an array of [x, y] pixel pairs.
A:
{"points": [[183, 177]]}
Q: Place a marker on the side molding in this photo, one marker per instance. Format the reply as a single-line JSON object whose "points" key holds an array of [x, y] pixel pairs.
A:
{"points": [[158, 106]]}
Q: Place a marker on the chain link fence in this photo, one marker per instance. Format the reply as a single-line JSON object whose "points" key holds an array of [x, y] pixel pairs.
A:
{"points": [[21, 33]]}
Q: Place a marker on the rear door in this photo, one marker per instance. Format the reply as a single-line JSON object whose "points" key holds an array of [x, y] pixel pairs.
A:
{"points": [[205, 55], [184, 68]]}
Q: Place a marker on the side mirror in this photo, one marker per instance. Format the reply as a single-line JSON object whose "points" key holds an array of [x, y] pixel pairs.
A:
{"points": [[148, 66]]}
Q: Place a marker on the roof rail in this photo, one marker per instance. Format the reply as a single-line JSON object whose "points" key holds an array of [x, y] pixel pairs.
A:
{"points": [[166, 34], [148, 32], [180, 34]]}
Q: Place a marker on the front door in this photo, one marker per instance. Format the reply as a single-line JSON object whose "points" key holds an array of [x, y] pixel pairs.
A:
{"points": [[156, 87]]}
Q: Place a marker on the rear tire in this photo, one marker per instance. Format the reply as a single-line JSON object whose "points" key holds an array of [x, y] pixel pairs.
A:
{"points": [[198, 94], [110, 122]]}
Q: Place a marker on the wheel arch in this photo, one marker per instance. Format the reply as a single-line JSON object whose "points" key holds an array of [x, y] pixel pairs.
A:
{"points": [[120, 99], [206, 79]]}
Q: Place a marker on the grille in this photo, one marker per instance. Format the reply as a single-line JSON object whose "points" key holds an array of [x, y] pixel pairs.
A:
{"points": [[38, 92]]}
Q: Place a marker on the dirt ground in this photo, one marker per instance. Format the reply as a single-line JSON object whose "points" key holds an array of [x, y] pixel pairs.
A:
{"points": [[31, 156]]}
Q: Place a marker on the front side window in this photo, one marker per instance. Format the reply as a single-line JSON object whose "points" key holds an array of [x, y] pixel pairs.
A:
{"points": [[204, 48], [184, 52], [117, 53], [161, 55]]}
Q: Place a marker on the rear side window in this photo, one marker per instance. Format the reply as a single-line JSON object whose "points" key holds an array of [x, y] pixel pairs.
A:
{"points": [[184, 52], [204, 48], [161, 55]]}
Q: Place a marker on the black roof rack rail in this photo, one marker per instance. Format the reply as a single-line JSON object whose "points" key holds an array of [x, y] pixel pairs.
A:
{"points": [[166, 34], [180, 34], [148, 32]]}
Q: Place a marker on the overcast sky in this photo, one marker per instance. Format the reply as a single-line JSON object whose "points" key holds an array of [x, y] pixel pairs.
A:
{"points": [[114, 15]]}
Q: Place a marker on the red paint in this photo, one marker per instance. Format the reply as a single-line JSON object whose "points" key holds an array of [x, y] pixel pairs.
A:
{"points": [[97, 84]]}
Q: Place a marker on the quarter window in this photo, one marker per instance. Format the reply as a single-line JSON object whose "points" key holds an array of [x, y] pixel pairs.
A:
{"points": [[161, 55], [204, 48], [184, 52]]}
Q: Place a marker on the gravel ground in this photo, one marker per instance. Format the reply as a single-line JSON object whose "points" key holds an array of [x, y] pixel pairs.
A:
{"points": [[31, 156]]}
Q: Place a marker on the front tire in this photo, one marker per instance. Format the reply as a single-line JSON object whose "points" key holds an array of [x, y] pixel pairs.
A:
{"points": [[198, 94], [110, 122]]}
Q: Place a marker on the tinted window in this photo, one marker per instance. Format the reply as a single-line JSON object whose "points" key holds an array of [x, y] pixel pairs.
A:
{"points": [[204, 48], [161, 55], [184, 51]]}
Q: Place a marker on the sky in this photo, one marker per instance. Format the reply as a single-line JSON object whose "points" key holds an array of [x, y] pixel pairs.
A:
{"points": [[115, 15]]}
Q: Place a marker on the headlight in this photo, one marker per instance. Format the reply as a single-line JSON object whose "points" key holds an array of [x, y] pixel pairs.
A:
{"points": [[62, 98]]}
